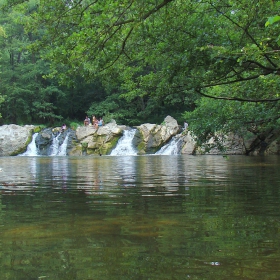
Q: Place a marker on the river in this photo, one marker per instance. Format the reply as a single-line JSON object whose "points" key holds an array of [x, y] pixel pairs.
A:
{"points": [[140, 217]]}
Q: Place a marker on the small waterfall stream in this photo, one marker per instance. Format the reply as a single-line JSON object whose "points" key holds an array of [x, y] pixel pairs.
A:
{"points": [[63, 148], [31, 148], [124, 146], [55, 145], [56, 149], [171, 148]]}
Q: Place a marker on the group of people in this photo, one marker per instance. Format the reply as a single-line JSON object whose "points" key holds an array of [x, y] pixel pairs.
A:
{"points": [[95, 122]]}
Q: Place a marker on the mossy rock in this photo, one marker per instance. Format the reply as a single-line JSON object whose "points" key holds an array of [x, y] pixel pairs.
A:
{"points": [[18, 151], [104, 148], [37, 129], [92, 151], [84, 146], [141, 147], [112, 144], [22, 150], [76, 151], [153, 150]]}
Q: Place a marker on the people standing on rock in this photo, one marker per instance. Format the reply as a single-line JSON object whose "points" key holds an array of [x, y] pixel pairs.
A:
{"points": [[86, 121], [93, 120], [100, 122], [186, 125], [63, 128]]}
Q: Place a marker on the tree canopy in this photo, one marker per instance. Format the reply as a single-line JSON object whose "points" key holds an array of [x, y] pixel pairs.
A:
{"points": [[162, 46], [163, 56]]}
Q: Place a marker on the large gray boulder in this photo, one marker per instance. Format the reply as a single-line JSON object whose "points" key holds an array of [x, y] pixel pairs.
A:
{"points": [[232, 145], [14, 139], [83, 132], [151, 137], [44, 140], [97, 141], [274, 148], [189, 144]]}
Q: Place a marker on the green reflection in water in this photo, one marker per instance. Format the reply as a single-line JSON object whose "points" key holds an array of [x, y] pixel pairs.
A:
{"points": [[153, 217]]}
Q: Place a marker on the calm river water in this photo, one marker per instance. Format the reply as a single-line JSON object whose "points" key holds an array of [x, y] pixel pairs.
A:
{"points": [[140, 217]]}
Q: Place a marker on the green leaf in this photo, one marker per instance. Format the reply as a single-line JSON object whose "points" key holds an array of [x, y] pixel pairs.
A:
{"points": [[272, 20]]}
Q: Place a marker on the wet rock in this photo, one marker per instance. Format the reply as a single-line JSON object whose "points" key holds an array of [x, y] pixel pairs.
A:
{"points": [[148, 139], [44, 140], [97, 141], [151, 137], [14, 139], [189, 144]]}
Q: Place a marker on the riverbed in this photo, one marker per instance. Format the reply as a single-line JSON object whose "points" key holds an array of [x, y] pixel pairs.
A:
{"points": [[140, 217]]}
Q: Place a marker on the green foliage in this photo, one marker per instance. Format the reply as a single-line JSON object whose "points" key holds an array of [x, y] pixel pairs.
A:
{"points": [[138, 63], [1, 101], [27, 95], [220, 117], [38, 128], [74, 125], [151, 50], [272, 20]]}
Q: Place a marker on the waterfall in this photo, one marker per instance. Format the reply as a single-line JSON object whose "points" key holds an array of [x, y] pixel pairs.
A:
{"points": [[55, 145], [31, 148], [56, 149], [124, 146], [171, 148], [63, 148]]}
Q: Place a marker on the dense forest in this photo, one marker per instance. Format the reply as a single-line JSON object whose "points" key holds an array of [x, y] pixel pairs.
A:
{"points": [[214, 63]]}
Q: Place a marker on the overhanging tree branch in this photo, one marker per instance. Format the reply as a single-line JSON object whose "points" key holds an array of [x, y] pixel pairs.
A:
{"points": [[246, 31], [145, 16], [236, 98]]}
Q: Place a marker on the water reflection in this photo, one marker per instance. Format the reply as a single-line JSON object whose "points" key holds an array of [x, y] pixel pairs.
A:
{"points": [[59, 170], [140, 217]]}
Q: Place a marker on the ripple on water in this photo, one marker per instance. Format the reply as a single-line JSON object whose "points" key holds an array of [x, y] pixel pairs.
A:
{"points": [[149, 217]]}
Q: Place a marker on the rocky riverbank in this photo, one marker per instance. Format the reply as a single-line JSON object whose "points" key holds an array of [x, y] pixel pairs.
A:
{"points": [[148, 139]]}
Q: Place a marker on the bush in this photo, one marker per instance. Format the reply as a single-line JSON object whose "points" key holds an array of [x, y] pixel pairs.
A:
{"points": [[74, 125]]}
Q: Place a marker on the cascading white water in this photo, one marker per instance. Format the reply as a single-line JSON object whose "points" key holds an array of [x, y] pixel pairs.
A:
{"points": [[171, 148], [31, 148], [63, 148], [124, 146], [55, 145], [56, 149]]}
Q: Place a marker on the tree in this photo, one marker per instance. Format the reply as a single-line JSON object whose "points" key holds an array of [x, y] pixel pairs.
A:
{"points": [[30, 96], [168, 46], [2, 34], [216, 119], [166, 50], [27, 95]]}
